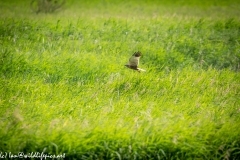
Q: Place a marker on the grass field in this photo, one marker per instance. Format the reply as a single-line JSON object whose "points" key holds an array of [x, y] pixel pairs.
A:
{"points": [[65, 89]]}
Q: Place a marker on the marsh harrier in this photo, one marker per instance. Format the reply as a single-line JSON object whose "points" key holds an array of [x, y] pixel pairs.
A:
{"points": [[134, 61]]}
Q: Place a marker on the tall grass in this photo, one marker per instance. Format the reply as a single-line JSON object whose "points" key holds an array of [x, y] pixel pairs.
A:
{"points": [[64, 87]]}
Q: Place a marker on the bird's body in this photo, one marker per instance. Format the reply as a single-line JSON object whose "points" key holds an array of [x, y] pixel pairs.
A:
{"points": [[134, 61]]}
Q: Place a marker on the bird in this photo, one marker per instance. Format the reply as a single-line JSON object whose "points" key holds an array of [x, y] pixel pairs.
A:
{"points": [[134, 61]]}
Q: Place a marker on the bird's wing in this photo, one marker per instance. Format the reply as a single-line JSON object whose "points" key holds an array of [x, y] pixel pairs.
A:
{"points": [[141, 70]]}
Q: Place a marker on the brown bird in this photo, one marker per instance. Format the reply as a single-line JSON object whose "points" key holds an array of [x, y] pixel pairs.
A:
{"points": [[134, 61]]}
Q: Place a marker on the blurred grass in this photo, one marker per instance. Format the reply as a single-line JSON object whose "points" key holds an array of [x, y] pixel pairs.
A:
{"points": [[212, 9], [64, 87]]}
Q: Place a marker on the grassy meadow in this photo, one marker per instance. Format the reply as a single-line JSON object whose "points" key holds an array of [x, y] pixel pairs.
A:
{"points": [[64, 88]]}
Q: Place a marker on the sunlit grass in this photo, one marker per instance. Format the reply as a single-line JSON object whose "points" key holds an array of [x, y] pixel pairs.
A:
{"points": [[64, 87]]}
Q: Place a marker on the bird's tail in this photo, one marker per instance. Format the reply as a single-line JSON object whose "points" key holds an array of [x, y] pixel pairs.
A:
{"points": [[141, 70]]}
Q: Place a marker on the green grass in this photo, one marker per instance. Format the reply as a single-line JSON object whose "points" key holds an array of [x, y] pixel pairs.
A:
{"points": [[64, 87]]}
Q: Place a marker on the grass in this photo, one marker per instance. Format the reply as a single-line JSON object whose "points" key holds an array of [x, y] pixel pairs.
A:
{"points": [[65, 90]]}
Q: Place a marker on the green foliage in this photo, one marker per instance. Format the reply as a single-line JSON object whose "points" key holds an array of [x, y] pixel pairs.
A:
{"points": [[64, 87], [46, 6]]}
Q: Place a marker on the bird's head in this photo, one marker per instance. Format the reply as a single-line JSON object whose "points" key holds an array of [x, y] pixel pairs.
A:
{"points": [[137, 54]]}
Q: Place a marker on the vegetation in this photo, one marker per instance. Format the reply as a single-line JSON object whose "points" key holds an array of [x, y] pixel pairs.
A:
{"points": [[65, 90], [46, 6]]}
